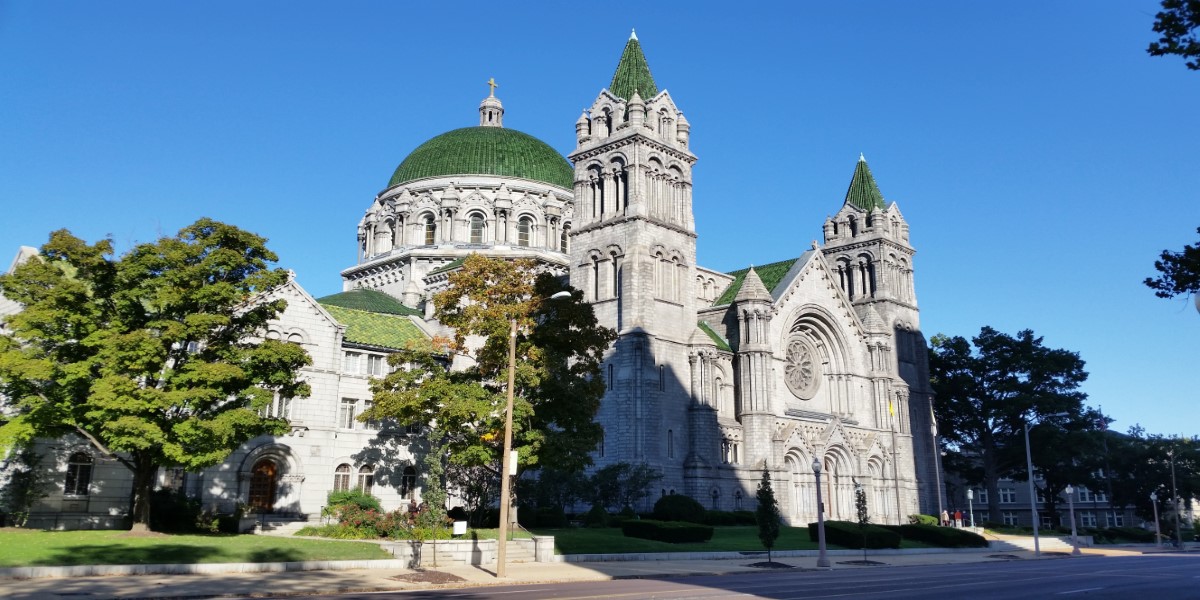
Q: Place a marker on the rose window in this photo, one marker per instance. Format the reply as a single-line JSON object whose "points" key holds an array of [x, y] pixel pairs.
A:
{"points": [[802, 372]]}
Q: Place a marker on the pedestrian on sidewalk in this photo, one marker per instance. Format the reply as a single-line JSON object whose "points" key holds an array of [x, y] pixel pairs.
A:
{"points": [[957, 518], [945, 518]]}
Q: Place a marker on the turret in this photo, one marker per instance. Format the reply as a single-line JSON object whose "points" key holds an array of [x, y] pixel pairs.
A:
{"points": [[491, 112]]}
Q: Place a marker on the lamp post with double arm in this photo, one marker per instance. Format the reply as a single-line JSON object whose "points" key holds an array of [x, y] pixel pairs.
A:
{"points": [[1037, 547], [507, 464]]}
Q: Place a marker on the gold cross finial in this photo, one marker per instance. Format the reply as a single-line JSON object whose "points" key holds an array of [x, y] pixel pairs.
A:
{"points": [[493, 85]]}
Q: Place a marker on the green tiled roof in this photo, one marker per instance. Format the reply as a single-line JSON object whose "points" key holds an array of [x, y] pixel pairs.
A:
{"points": [[454, 264], [370, 301], [380, 330], [863, 192], [770, 275], [486, 151], [633, 73], [718, 340]]}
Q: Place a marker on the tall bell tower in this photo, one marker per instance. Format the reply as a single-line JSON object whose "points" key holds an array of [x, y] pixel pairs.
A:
{"points": [[633, 248], [633, 253]]}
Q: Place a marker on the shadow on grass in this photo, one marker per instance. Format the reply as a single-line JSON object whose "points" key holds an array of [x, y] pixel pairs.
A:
{"points": [[275, 555], [144, 555]]}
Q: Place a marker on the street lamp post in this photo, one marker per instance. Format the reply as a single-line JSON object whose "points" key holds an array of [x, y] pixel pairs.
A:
{"points": [[1071, 510], [822, 559], [506, 463], [1157, 533], [1037, 547], [971, 506], [1175, 501]]}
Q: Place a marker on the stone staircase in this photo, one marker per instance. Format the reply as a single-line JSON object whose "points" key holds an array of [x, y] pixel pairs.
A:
{"points": [[1048, 543], [281, 526], [520, 551]]}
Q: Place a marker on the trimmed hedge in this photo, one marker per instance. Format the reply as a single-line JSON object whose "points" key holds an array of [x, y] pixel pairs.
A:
{"points": [[546, 517], [945, 537], [724, 518], [678, 507], [923, 520], [596, 517], [1134, 534], [848, 535], [673, 532]]}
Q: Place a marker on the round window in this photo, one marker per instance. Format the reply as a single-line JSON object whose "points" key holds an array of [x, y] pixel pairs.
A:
{"points": [[803, 370]]}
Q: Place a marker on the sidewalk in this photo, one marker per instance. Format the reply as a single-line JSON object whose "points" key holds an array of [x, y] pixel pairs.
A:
{"points": [[365, 580]]}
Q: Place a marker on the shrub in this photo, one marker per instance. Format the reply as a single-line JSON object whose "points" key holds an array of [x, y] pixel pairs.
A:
{"points": [[672, 532], [1133, 534], [354, 497], [551, 517], [744, 517], [720, 518], [678, 507], [945, 537], [848, 535], [174, 512], [339, 532], [923, 520], [596, 517]]}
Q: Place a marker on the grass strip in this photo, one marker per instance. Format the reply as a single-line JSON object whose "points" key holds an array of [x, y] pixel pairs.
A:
{"points": [[34, 548]]}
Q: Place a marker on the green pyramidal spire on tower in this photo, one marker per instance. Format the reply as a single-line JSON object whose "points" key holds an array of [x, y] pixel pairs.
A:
{"points": [[633, 73], [863, 192]]}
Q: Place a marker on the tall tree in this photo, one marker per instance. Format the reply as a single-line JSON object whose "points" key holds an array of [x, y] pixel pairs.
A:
{"points": [[1179, 272], [558, 380], [1178, 23], [985, 394], [767, 515], [156, 358]]}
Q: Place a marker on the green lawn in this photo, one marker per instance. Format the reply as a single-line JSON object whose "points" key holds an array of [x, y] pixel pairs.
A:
{"points": [[23, 548], [725, 539]]}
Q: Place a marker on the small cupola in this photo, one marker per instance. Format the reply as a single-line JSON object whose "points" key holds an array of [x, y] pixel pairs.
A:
{"points": [[491, 112]]}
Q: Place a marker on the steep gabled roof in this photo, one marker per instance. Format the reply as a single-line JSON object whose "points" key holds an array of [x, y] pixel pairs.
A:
{"points": [[722, 343], [863, 192], [633, 73], [770, 275], [369, 301], [378, 330]]}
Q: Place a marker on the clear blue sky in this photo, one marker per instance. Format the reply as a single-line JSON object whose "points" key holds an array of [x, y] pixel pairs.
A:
{"points": [[1042, 158]]}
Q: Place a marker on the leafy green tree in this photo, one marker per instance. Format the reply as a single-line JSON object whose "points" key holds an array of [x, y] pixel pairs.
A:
{"points": [[1178, 23], [1179, 272], [622, 485], [767, 513], [156, 358], [863, 513], [1139, 464], [985, 394], [27, 482], [558, 379]]}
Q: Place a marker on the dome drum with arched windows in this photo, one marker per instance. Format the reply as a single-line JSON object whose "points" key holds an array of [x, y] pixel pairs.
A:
{"points": [[485, 188]]}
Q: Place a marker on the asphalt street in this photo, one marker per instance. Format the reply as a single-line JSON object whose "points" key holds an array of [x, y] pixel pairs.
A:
{"points": [[1158, 576]]}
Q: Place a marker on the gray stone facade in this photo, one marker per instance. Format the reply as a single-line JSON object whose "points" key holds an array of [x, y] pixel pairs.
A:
{"points": [[714, 377]]}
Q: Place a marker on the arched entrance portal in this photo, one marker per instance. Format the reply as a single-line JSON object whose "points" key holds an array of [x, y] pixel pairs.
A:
{"points": [[263, 481]]}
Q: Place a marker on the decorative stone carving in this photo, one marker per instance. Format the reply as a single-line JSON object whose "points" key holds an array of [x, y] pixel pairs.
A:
{"points": [[803, 370]]}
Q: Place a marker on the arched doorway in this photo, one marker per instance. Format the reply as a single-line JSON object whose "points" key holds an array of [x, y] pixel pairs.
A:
{"points": [[263, 483]]}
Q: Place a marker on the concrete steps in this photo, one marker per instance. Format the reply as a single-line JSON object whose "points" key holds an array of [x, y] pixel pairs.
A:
{"points": [[1048, 543], [281, 526]]}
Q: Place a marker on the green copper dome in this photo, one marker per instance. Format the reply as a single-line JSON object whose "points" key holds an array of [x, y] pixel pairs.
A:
{"points": [[486, 151]]}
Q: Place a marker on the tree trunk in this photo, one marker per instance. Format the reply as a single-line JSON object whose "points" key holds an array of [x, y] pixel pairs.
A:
{"points": [[143, 484], [991, 480]]}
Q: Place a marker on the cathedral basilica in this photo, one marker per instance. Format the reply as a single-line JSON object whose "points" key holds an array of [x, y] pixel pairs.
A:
{"points": [[817, 360]]}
